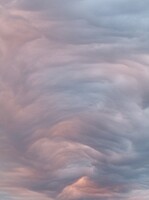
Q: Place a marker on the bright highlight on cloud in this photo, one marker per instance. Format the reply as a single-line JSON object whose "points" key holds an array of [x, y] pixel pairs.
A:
{"points": [[74, 99]]}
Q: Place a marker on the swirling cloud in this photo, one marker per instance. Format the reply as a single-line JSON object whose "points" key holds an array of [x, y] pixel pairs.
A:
{"points": [[74, 99]]}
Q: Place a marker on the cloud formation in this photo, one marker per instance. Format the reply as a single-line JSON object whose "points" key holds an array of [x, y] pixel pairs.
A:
{"points": [[74, 99]]}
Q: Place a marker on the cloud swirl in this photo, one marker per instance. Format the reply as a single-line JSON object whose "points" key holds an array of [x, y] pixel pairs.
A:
{"points": [[74, 99]]}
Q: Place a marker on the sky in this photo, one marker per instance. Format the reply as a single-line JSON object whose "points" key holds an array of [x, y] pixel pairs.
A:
{"points": [[74, 99]]}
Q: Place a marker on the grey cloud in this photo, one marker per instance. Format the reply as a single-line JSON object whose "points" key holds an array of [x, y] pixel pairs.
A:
{"points": [[74, 100], [124, 23]]}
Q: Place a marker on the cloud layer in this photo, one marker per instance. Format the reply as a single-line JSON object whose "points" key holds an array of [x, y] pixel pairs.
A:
{"points": [[74, 99]]}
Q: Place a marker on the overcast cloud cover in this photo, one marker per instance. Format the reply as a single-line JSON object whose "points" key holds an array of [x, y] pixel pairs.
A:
{"points": [[74, 99]]}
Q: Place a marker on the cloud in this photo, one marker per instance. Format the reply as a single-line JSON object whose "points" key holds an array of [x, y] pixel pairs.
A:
{"points": [[74, 100]]}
